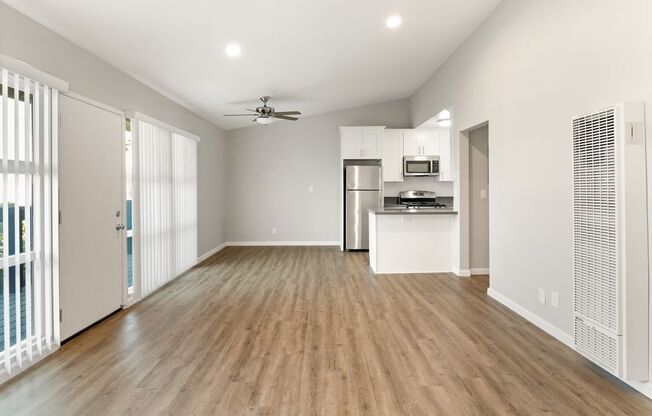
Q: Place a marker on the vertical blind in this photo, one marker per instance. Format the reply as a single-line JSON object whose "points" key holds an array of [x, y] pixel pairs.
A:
{"points": [[29, 311], [166, 205], [184, 178]]}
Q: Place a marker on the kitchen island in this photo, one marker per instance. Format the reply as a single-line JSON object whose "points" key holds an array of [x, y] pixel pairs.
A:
{"points": [[411, 240]]}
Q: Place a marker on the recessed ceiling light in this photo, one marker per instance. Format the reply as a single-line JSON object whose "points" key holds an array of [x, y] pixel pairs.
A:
{"points": [[393, 22], [233, 50]]}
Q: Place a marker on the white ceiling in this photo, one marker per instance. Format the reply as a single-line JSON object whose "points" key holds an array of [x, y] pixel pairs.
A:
{"points": [[310, 55]]}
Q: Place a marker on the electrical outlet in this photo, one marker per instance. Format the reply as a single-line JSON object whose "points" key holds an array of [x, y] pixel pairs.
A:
{"points": [[542, 296], [311, 188], [273, 230], [554, 299]]}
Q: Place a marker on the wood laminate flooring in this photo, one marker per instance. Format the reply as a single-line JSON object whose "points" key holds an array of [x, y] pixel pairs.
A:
{"points": [[311, 331]]}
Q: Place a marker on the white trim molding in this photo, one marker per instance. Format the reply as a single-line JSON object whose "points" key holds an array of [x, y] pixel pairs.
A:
{"points": [[546, 326], [90, 101], [27, 70], [211, 252], [462, 272], [161, 124], [479, 271], [644, 388], [263, 244], [282, 243]]}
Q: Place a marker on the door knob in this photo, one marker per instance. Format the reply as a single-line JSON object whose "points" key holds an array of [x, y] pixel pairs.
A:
{"points": [[119, 227]]}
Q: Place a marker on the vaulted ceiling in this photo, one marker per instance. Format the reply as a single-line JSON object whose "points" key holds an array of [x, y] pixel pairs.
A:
{"points": [[311, 55]]}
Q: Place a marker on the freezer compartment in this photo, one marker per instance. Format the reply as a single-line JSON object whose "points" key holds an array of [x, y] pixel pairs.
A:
{"points": [[363, 177]]}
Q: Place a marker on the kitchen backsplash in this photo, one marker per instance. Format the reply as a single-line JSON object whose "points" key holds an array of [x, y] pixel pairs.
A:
{"points": [[419, 184]]}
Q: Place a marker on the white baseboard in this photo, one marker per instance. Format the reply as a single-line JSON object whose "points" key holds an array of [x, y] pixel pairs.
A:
{"points": [[264, 243], [546, 326], [282, 243], [462, 272], [479, 271], [211, 252], [645, 388]]}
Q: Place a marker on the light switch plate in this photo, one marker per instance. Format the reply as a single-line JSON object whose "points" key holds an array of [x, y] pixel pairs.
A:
{"points": [[483, 194], [542, 296], [554, 299], [273, 230], [311, 188]]}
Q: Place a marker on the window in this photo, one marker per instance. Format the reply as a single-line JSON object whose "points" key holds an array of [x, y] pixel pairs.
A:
{"points": [[129, 158], [28, 197], [165, 191]]}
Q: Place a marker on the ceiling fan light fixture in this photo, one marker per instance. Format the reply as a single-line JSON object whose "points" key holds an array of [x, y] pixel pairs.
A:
{"points": [[264, 120]]}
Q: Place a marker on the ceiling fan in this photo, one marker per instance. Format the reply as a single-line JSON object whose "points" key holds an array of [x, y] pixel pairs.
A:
{"points": [[266, 115]]}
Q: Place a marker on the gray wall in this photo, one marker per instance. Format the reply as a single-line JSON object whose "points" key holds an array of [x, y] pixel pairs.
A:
{"points": [[478, 206], [24, 39], [527, 70], [271, 167]]}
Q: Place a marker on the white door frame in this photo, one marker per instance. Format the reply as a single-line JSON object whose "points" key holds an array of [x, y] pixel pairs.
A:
{"points": [[126, 301]]}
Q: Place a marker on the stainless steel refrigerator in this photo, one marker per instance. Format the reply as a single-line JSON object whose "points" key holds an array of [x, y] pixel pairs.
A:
{"points": [[363, 184]]}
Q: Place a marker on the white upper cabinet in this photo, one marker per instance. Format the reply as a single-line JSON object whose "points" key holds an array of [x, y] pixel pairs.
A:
{"points": [[392, 155], [361, 142], [372, 142], [430, 143], [419, 143], [390, 145], [411, 143], [445, 156], [351, 143]]}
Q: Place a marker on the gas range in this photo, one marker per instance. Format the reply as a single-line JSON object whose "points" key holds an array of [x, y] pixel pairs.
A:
{"points": [[434, 205], [419, 200]]}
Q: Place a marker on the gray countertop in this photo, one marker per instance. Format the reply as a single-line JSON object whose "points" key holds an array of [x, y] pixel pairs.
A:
{"points": [[397, 210]]}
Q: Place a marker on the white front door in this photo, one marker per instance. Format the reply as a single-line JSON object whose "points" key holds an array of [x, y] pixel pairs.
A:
{"points": [[91, 154]]}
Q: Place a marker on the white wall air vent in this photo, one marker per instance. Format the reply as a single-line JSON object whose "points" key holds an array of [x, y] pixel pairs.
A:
{"points": [[610, 272]]}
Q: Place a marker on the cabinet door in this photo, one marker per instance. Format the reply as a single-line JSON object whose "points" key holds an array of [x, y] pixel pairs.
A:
{"points": [[371, 143], [351, 143], [445, 158], [411, 143], [430, 143], [392, 156]]}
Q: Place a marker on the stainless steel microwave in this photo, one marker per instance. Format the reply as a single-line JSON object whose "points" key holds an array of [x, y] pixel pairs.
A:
{"points": [[421, 166]]}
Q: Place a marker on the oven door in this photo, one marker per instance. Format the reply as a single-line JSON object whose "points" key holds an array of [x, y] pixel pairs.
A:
{"points": [[416, 167]]}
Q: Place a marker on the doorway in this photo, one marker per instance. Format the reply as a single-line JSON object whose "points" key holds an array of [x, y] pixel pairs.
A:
{"points": [[91, 213], [479, 200]]}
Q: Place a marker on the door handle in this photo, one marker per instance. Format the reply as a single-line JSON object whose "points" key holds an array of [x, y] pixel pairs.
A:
{"points": [[119, 227]]}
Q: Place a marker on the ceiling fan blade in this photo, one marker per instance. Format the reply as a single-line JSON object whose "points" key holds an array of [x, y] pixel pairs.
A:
{"points": [[288, 113], [238, 115], [281, 117], [249, 109]]}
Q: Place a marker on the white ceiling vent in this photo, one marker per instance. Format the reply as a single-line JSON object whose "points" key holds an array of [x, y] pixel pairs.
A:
{"points": [[610, 256]]}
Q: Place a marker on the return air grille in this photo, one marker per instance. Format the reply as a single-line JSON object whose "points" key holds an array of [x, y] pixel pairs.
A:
{"points": [[595, 239], [597, 345]]}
